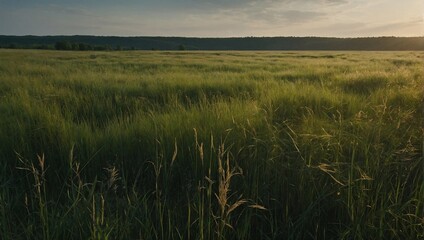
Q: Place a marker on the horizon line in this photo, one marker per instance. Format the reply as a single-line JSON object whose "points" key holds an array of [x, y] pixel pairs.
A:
{"points": [[215, 37]]}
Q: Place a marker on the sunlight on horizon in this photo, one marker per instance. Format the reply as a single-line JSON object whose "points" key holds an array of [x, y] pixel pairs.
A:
{"points": [[218, 18]]}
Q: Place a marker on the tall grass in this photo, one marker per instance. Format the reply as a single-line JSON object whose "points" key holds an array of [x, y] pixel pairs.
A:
{"points": [[211, 145]]}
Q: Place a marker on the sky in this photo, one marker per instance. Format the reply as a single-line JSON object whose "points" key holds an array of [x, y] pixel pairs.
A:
{"points": [[213, 18]]}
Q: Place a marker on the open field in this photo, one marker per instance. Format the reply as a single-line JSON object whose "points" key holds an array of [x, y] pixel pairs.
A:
{"points": [[211, 145]]}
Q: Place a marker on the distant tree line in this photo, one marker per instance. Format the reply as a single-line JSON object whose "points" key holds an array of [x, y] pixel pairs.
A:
{"points": [[108, 43], [26, 46], [66, 46], [78, 46]]}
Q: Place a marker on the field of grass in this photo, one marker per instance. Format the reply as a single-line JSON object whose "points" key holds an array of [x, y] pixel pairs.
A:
{"points": [[211, 145]]}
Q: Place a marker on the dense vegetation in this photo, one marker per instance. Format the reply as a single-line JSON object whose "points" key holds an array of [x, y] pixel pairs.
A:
{"points": [[211, 145], [247, 43]]}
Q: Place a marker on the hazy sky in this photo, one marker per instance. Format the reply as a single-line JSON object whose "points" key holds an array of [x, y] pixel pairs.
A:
{"points": [[218, 18]]}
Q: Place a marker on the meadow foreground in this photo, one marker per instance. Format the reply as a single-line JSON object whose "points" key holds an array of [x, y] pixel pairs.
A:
{"points": [[211, 145]]}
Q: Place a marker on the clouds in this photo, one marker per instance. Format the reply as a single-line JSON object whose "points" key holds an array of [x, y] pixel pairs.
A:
{"points": [[55, 19], [296, 16], [394, 27], [265, 12], [340, 18]]}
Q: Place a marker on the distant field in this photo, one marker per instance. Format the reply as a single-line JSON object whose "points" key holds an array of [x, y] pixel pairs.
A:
{"points": [[211, 145]]}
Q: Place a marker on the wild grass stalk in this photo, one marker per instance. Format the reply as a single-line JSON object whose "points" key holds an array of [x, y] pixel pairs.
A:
{"points": [[39, 183]]}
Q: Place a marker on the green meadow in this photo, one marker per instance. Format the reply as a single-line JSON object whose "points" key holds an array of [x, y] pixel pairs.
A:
{"points": [[211, 145]]}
